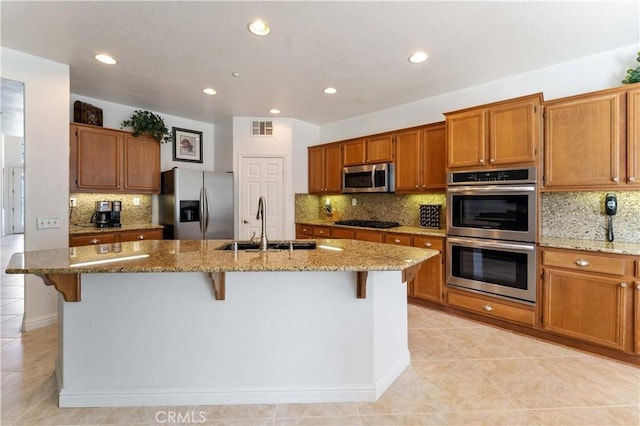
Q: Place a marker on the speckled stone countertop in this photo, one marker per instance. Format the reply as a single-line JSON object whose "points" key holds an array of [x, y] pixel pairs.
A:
{"points": [[590, 245], [204, 256], [398, 229], [80, 230]]}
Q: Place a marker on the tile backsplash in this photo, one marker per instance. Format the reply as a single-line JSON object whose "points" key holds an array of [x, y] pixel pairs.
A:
{"points": [[404, 209], [580, 215], [130, 215]]}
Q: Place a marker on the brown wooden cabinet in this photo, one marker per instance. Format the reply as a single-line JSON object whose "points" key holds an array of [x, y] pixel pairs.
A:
{"points": [[304, 232], [112, 161], [586, 296], [371, 236], [495, 135], [114, 236], [420, 159], [325, 169], [636, 308], [369, 150], [492, 307], [592, 141], [428, 282]]}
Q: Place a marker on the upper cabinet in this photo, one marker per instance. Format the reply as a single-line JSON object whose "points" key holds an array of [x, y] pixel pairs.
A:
{"points": [[325, 169], [369, 150], [107, 160], [420, 159], [495, 135], [592, 141]]}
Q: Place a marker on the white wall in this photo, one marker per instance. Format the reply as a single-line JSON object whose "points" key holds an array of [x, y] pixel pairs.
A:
{"points": [[46, 85], [304, 135], [601, 71], [223, 142], [113, 114]]}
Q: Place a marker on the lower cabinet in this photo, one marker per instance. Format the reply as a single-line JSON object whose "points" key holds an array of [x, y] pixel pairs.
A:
{"points": [[371, 236], [591, 297], [492, 307], [114, 237], [428, 282]]}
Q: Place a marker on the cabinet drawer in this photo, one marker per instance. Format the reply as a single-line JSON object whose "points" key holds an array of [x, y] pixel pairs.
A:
{"points": [[154, 234], [372, 236], [86, 240], [304, 231], [341, 233], [587, 262], [492, 308], [432, 243], [637, 268], [399, 239], [321, 231]]}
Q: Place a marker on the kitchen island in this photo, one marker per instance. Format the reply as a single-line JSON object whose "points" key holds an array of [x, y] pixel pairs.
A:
{"points": [[175, 322]]}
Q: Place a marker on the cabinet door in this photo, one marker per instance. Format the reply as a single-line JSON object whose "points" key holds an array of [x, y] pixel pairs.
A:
{"points": [[316, 170], [141, 164], [633, 137], [333, 169], [379, 149], [397, 239], [346, 234], [145, 234], [321, 231], [408, 162], [514, 132], [427, 283], [583, 138], [466, 139], [434, 155], [585, 306], [354, 152], [636, 316], [372, 236], [91, 239], [99, 159]]}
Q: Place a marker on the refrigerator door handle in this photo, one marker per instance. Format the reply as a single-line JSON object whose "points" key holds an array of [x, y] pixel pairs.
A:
{"points": [[201, 221], [206, 207]]}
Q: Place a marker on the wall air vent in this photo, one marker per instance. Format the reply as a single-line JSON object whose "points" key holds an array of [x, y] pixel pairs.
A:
{"points": [[261, 128]]}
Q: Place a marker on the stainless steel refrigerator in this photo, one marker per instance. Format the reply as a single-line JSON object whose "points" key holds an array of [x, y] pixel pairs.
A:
{"points": [[196, 205]]}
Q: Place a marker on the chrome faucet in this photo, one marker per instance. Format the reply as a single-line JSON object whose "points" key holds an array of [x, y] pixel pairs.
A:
{"points": [[262, 204]]}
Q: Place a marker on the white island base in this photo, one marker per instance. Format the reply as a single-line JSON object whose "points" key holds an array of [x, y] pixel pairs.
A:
{"points": [[279, 337]]}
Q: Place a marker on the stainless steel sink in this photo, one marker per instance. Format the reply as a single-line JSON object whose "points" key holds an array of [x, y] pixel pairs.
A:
{"points": [[273, 245]]}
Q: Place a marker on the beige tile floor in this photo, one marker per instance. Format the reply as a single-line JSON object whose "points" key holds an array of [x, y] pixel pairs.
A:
{"points": [[461, 373]]}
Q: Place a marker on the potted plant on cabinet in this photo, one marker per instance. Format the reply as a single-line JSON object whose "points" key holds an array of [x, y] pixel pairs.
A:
{"points": [[633, 75], [148, 123]]}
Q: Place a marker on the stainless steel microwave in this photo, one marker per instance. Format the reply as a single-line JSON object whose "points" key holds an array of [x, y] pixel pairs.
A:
{"points": [[369, 178]]}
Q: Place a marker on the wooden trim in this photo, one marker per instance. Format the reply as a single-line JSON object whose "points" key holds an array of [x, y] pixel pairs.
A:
{"points": [[409, 273], [66, 284], [218, 284], [361, 281]]}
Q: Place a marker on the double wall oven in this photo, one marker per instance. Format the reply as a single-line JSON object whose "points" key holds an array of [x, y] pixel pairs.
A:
{"points": [[491, 232]]}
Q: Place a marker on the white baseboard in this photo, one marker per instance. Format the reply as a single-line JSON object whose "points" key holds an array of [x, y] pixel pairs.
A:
{"points": [[39, 322], [390, 376]]}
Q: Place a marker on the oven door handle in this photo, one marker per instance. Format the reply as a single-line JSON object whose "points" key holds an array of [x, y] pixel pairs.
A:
{"points": [[490, 244], [492, 189]]}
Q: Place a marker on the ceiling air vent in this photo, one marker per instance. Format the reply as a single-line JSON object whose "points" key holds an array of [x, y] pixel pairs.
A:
{"points": [[261, 128]]}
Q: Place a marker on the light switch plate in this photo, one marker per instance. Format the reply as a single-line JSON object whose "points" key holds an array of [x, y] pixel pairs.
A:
{"points": [[354, 202], [136, 201], [48, 222]]}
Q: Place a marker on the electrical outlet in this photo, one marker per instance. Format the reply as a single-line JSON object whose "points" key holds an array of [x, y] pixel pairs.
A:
{"points": [[73, 202], [354, 202], [136, 201], [48, 222]]}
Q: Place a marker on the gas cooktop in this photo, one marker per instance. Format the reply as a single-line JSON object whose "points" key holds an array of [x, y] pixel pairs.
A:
{"points": [[368, 223]]}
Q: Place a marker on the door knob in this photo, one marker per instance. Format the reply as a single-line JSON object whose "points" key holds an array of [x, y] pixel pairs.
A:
{"points": [[245, 221]]}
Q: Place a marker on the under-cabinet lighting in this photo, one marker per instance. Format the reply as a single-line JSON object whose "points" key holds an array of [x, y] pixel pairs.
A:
{"points": [[114, 259]]}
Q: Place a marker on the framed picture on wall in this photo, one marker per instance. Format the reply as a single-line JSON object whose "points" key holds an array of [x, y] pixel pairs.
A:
{"points": [[187, 145]]}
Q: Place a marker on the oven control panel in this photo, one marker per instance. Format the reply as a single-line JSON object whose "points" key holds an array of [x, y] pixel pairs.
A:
{"points": [[526, 175]]}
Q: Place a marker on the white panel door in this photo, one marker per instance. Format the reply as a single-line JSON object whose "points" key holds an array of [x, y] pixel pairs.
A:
{"points": [[261, 176], [17, 200]]}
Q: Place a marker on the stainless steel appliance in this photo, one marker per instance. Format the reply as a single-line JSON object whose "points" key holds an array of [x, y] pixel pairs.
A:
{"points": [[369, 178], [116, 208], [379, 224], [101, 217], [196, 204], [491, 232]]}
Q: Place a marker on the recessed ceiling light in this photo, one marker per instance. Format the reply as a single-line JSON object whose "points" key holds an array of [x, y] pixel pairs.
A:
{"points": [[235, 74], [418, 57], [274, 111], [259, 28], [209, 91], [330, 90], [106, 59]]}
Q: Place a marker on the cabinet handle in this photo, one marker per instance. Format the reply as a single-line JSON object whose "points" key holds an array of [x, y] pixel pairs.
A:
{"points": [[396, 241], [615, 179], [637, 286], [582, 262], [492, 160], [417, 186], [428, 244], [320, 232], [482, 161], [141, 237], [623, 285], [424, 186], [304, 229], [632, 179], [94, 241], [487, 308]]}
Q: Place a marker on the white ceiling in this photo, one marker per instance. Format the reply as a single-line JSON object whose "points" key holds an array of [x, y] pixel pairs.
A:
{"points": [[169, 51]]}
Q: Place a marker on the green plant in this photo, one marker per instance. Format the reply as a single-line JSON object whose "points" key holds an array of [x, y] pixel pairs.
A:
{"points": [[148, 123], [633, 76]]}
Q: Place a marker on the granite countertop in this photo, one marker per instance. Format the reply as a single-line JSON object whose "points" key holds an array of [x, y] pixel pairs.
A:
{"points": [[590, 245], [203, 256], [431, 232], [91, 229]]}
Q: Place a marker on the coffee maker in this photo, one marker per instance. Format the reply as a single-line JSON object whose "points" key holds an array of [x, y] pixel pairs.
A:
{"points": [[116, 208], [102, 215]]}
